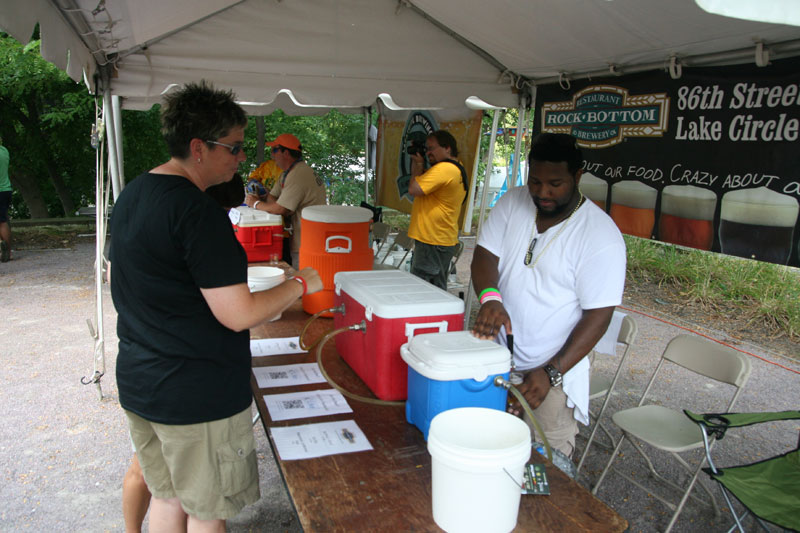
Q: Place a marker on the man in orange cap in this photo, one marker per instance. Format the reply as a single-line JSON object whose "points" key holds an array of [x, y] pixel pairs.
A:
{"points": [[298, 187]]}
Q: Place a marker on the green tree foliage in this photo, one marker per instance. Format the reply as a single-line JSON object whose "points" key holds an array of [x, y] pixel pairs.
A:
{"points": [[44, 115]]}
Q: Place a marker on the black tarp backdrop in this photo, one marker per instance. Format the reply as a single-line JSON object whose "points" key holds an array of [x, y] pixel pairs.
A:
{"points": [[716, 154]]}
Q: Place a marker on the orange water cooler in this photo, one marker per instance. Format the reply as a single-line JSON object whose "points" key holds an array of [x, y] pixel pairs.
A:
{"points": [[334, 238]]}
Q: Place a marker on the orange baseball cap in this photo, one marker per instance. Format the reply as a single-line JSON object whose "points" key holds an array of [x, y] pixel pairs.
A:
{"points": [[287, 140]]}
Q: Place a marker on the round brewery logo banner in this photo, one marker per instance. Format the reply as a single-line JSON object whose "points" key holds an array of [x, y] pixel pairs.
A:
{"points": [[418, 126]]}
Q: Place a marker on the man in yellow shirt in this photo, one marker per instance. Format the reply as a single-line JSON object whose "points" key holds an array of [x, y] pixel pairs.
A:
{"points": [[439, 194]]}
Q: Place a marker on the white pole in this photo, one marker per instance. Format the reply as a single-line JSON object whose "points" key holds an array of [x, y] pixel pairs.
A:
{"points": [[517, 145], [366, 153], [484, 194], [108, 125], [117, 114], [474, 184]]}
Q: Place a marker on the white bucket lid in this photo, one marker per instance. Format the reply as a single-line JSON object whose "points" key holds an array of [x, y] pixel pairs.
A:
{"points": [[759, 206], [259, 273], [341, 214], [633, 194], [688, 201], [454, 355], [396, 294], [244, 216], [479, 439]]}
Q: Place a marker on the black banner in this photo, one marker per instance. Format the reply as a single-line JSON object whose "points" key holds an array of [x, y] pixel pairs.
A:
{"points": [[710, 160]]}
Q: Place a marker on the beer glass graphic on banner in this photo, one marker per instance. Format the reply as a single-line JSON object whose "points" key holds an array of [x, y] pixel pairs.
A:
{"points": [[594, 188], [633, 208], [759, 224], [687, 216]]}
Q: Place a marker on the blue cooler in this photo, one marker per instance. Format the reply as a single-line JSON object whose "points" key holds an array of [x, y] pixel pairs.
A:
{"points": [[452, 369]]}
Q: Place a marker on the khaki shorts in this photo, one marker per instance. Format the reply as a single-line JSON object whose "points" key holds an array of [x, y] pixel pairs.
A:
{"points": [[210, 467], [557, 421]]}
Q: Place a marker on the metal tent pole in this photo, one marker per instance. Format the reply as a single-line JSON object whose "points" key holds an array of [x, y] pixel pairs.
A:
{"points": [[116, 109], [367, 122], [484, 194]]}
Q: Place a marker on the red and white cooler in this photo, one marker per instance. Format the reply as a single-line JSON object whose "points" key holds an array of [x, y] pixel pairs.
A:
{"points": [[395, 306], [260, 233]]}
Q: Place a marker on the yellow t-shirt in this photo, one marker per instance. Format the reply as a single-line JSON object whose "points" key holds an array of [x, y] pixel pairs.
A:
{"points": [[267, 172], [434, 216]]}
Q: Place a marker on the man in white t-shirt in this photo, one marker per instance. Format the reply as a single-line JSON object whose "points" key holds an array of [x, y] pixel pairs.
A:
{"points": [[549, 268]]}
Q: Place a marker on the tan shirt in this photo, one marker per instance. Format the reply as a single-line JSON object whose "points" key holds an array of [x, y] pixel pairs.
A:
{"points": [[297, 189]]}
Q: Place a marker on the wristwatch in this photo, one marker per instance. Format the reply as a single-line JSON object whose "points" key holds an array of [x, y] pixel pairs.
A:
{"points": [[555, 376]]}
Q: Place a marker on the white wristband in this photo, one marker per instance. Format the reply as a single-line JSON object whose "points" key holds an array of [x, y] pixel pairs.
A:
{"points": [[255, 205], [491, 298]]}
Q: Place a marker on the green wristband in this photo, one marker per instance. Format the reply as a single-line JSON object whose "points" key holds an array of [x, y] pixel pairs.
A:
{"points": [[484, 291]]}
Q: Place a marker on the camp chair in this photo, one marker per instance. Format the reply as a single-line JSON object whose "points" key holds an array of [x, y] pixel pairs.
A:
{"points": [[380, 232], [401, 241], [669, 430], [601, 386], [770, 489]]}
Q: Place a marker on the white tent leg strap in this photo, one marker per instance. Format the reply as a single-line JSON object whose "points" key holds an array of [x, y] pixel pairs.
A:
{"points": [[97, 333]]}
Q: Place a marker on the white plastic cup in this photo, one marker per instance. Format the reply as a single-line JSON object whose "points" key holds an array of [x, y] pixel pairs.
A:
{"points": [[478, 458], [261, 278]]}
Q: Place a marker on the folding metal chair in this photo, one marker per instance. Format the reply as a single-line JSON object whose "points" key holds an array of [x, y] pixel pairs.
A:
{"points": [[601, 386], [380, 232], [401, 241], [769, 489], [452, 270], [668, 429]]}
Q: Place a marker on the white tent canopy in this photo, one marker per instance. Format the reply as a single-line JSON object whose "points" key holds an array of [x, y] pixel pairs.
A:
{"points": [[343, 53], [423, 54]]}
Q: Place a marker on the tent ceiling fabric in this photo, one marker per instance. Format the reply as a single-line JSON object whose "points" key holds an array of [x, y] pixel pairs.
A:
{"points": [[343, 53]]}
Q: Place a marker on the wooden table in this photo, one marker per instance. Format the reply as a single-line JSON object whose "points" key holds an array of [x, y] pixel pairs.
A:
{"points": [[389, 488]]}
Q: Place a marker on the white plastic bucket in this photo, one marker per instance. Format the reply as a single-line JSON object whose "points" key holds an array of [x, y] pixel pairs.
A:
{"points": [[261, 278], [478, 456]]}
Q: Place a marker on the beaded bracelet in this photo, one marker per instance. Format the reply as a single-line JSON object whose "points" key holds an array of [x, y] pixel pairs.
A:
{"points": [[303, 283]]}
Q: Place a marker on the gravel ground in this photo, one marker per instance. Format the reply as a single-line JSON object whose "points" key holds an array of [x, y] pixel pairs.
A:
{"points": [[64, 451]]}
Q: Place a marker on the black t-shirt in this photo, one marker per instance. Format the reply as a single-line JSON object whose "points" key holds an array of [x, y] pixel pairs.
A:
{"points": [[177, 364]]}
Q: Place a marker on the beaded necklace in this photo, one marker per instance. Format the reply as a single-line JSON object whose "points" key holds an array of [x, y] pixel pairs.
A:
{"points": [[529, 254]]}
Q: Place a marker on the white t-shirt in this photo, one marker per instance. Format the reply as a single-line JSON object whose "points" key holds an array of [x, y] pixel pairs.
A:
{"points": [[583, 267]]}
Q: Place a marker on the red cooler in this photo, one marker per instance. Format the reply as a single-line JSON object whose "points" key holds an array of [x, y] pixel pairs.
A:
{"points": [[334, 238], [395, 306], [260, 233]]}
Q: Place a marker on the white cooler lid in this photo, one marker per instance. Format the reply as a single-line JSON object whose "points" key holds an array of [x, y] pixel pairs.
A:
{"points": [[455, 355], [338, 214], [244, 216], [396, 294]]}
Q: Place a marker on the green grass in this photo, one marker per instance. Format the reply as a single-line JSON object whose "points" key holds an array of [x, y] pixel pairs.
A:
{"points": [[767, 294]]}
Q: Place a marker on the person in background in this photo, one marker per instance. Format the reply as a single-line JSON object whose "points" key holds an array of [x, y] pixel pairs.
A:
{"points": [[135, 494], [551, 265], [184, 308], [438, 195], [5, 202], [262, 179], [228, 194], [297, 188]]}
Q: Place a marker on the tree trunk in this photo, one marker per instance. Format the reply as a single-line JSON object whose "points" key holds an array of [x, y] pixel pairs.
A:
{"points": [[52, 169], [29, 189]]}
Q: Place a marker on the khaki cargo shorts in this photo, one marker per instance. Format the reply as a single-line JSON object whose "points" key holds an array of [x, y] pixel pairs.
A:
{"points": [[210, 467]]}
